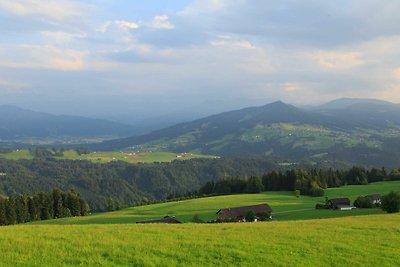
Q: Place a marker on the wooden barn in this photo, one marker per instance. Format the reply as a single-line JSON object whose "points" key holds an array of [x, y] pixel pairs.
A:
{"points": [[166, 219], [240, 213]]}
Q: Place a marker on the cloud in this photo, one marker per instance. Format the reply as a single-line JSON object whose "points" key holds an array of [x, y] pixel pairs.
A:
{"points": [[121, 24], [56, 10], [162, 22], [334, 60], [262, 50], [42, 57]]}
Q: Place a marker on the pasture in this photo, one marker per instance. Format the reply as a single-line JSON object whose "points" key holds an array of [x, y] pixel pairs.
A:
{"points": [[352, 241], [105, 157], [285, 206]]}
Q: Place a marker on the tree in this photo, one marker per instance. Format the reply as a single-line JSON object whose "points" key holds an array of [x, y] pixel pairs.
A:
{"points": [[391, 202], [110, 204], [254, 185], [250, 216], [57, 203]]}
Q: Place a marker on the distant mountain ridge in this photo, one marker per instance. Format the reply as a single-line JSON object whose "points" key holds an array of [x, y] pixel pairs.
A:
{"points": [[16, 123], [348, 129]]}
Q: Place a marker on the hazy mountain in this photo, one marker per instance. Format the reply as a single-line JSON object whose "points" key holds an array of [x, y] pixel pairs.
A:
{"points": [[359, 131], [343, 103], [17, 123]]}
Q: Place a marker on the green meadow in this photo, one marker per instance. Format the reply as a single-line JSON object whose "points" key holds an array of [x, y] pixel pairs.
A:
{"points": [[299, 235], [285, 206], [352, 241], [105, 157]]}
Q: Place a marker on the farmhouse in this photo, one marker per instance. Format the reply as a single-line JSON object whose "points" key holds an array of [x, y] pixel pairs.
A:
{"points": [[241, 212], [338, 203], [375, 198], [165, 219]]}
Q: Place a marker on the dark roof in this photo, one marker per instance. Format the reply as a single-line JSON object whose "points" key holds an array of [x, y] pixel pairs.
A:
{"points": [[242, 211], [340, 201], [166, 219], [374, 196]]}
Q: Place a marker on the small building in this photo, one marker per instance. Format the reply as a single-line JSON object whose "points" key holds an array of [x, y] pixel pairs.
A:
{"points": [[165, 219], [240, 213], [336, 203], [376, 199]]}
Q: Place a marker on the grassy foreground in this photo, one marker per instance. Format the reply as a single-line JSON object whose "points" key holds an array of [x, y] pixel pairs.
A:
{"points": [[353, 241]]}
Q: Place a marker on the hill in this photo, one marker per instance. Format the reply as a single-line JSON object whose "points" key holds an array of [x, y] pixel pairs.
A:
{"points": [[126, 183], [21, 124], [352, 131], [285, 206]]}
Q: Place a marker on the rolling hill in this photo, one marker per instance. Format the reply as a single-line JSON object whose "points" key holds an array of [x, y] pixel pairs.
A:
{"points": [[113, 238], [20, 124], [356, 131]]}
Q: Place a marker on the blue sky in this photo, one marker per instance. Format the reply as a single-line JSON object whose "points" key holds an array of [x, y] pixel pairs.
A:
{"points": [[145, 58]]}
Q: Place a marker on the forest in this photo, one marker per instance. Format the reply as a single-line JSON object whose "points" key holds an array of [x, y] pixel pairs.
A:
{"points": [[127, 184], [41, 206], [302, 181]]}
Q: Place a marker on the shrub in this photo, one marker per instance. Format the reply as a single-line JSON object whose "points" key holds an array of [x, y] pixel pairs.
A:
{"points": [[251, 216], [265, 216], [391, 202], [363, 202], [196, 219]]}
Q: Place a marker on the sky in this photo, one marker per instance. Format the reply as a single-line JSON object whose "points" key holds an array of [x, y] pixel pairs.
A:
{"points": [[138, 59]]}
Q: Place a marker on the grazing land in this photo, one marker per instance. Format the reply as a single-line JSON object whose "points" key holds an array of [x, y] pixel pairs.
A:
{"points": [[351, 241], [285, 206], [105, 157]]}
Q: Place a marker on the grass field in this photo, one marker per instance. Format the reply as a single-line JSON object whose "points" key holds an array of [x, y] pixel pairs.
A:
{"points": [[104, 157], [353, 241], [285, 206]]}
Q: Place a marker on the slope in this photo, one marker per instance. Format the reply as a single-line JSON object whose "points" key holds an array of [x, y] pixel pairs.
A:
{"points": [[17, 123], [359, 133]]}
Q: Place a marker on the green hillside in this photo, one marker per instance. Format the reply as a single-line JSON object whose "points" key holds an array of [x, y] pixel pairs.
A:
{"points": [[352, 241], [285, 206], [105, 157], [361, 133]]}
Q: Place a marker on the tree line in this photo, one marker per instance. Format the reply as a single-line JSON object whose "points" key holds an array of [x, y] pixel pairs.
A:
{"points": [[307, 181], [41, 206]]}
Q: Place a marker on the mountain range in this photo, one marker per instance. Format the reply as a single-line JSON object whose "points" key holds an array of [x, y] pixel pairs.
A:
{"points": [[362, 131], [17, 124]]}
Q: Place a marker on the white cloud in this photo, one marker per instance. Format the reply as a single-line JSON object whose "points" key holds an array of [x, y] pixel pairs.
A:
{"points": [[121, 24], [335, 60], [57, 10], [42, 57], [162, 22]]}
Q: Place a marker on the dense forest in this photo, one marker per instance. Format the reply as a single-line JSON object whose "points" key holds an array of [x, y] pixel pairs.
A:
{"points": [[126, 184], [41, 206], [306, 182]]}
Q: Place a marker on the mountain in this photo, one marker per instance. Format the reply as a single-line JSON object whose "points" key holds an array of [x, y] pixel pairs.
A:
{"points": [[355, 131], [17, 123], [344, 103]]}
